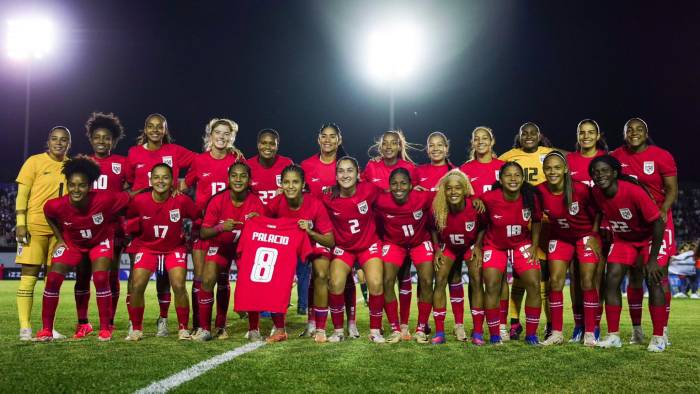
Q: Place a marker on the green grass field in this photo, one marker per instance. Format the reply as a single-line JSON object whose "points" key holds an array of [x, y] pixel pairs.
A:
{"points": [[351, 366]]}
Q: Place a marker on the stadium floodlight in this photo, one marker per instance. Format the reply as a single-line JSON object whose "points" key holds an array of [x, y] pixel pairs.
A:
{"points": [[30, 37]]}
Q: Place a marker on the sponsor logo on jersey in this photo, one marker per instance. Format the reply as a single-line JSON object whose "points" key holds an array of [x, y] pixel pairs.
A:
{"points": [[626, 213], [117, 168], [67, 224], [146, 217], [59, 251], [418, 215], [648, 167], [212, 250], [168, 160], [278, 180], [385, 250], [487, 255], [469, 226], [98, 218], [527, 214], [140, 165], [474, 178], [390, 216], [315, 179], [497, 217], [363, 207], [423, 179], [254, 183], [552, 245], [336, 213], [206, 174], [174, 215], [574, 173], [375, 180], [573, 209]]}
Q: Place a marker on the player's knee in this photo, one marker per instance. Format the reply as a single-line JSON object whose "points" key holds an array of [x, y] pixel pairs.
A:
{"points": [[587, 282], [556, 281], [375, 285], [336, 284]]}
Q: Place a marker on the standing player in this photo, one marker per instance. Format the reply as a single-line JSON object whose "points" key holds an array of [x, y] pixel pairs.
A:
{"points": [[83, 223], [350, 209], [638, 231], [655, 168], [157, 219], [512, 231], [266, 167], [429, 174], [39, 180], [224, 219], [209, 175], [154, 146], [404, 218], [310, 216]]}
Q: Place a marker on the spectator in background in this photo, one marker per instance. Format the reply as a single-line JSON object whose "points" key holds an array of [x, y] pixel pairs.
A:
{"points": [[682, 270]]}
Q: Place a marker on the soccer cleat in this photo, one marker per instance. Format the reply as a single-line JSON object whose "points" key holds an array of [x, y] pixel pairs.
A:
{"points": [[548, 331], [395, 337], [477, 339], [589, 339], [405, 333], [202, 335], [657, 344], [534, 341], [254, 336], [337, 336], [353, 332], [57, 335], [184, 335], [577, 335], [82, 330], [221, 333], [612, 340], [503, 333], [162, 327], [668, 341], [515, 330], [111, 328], [680, 295], [320, 336], [421, 337], [44, 336], [134, 335], [278, 336], [427, 329], [308, 331], [637, 335], [459, 332], [130, 328], [439, 339], [104, 336], [695, 296], [375, 336], [556, 338], [25, 334], [495, 340]]}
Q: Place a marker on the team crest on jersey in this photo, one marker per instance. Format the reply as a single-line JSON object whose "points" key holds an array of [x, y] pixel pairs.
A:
{"points": [[98, 218], [648, 167], [573, 209], [552, 245], [212, 250], [487, 255], [59, 251], [338, 252], [527, 213], [363, 207], [278, 180], [626, 213], [418, 215], [385, 250], [174, 215], [117, 168], [469, 226], [168, 160], [138, 257]]}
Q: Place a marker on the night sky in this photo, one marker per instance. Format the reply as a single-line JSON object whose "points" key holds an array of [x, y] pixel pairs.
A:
{"points": [[294, 65]]}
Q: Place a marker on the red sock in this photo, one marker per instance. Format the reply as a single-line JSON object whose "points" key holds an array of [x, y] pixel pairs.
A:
{"points": [[183, 317], [103, 295], [457, 301], [115, 286], [82, 294], [423, 315], [667, 297], [578, 311], [164, 302], [52, 290], [493, 320], [336, 302], [196, 286], [612, 315], [206, 301], [439, 317], [279, 320], [392, 314], [658, 318], [376, 310], [136, 317], [310, 311], [320, 316], [556, 309], [223, 297], [478, 320], [350, 295], [590, 308], [503, 312], [635, 298], [253, 321], [405, 294], [532, 319]]}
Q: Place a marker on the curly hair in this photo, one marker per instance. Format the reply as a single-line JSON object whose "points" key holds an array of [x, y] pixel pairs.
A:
{"points": [[81, 164], [110, 121], [441, 208]]}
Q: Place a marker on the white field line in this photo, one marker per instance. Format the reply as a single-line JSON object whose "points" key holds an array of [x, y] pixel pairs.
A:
{"points": [[172, 381]]}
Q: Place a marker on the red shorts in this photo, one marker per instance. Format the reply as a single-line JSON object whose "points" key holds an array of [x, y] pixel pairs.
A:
{"points": [[72, 256], [222, 256], [626, 252], [319, 250], [669, 237], [453, 253], [395, 255], [498, 259], [200, 244], [565, 251], [158, 261], [374, 251]]}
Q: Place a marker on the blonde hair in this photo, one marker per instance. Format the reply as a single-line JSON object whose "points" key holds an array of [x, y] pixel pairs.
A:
{"points": [[374, 151], [472, 150], [230, 147], [440, 206]]}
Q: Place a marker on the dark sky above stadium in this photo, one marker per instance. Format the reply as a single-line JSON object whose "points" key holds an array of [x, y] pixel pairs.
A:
{"points": [[293, 65]]}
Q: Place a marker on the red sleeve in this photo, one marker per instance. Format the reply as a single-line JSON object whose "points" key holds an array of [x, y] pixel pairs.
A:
{"points": [[322, 222], [130, 170], [191, 176], [50, 209], [650, 212], [367, 173], [667, 165], [212, 213], [413, 172], [185, 156], [121, 200]]}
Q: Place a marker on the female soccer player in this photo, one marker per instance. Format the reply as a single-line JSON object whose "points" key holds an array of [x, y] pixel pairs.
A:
{"points": [[349, 205], [223, 221], [404, 216], [511, 208], [39, 180], [209, 175], [154, 145], [456, 227], [655, 168], [83, 223], [574, 233], [638, 231], [429, 174], [312, 218], [266, 167], [157, 221]]}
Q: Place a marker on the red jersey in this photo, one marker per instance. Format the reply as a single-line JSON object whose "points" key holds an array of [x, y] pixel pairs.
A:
{"points": [[377, 173], [265, 181], [112, 173], [311, 209], [650, 166], [221, 208], [631, 212], [210, 175], [86, 228], [159, 226], [405, 225], [482, 175], [140, 161], [353, 217], [461, 228], [507, 221], [569, 223], [318, 175], [578, 166], [428, 175], [268, 253]]}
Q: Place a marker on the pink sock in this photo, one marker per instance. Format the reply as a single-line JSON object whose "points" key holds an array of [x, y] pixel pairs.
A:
{"points": [[278, 319], [612, 314], [439, 317], [590, 308], [103, 295], [532, 319], [52, 290], [405, 294], [478, 320], [457, 301], [493, 320], [206, 302], [253, 321], [635, 298], [423, 315], [556, 309], [183, 317], [392, 314], [376, 307], [336, 302]]}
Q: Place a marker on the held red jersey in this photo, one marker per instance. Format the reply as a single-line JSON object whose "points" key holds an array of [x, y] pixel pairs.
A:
{"points": [[461, 228], [159, 226], [569, 223], [428, 175], [140, 161], [268, 253], [318, 175], [377, 173], [507, 221], [112, 173], [482, 175], [311, 209], [407, 224], [86, 228], [265, 181], [221, 208], [209, 175], [578, 166], [650, 166], [631, 212], [353, 222]]}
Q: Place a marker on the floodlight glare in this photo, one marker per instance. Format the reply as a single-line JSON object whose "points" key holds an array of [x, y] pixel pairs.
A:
{"points": [[394, 52], [32, 37]]}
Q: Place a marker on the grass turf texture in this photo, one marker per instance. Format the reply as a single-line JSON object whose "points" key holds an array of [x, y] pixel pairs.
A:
{"points": [[351, 366]]}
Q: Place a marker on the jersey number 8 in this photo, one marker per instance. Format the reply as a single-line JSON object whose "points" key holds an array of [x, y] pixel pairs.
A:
{"points": [[264, 265]]}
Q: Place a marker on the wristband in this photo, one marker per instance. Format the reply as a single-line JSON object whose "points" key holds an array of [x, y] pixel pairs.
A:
{"points": [[219, 228], [21, 219]]}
